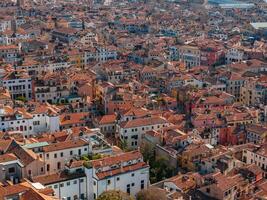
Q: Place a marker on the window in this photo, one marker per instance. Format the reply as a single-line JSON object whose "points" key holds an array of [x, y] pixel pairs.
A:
{"points": [[71, 153], [36, 123], [81, 180], [61, 154], [68, 198], [74, 182], [142, 184], [11, 170], [85, 149], [61, 184], [132, 174], [128, 189], [55, 155], [118, 178], [132, 184], [68, 183], [48, 167], [108, 182], [58, 165], [208, 190], [55, 186], [82, 196], [47, 155]]}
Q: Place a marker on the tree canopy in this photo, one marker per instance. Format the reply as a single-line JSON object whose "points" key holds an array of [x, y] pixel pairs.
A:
{"points": [[114, 195], [151, 193], [159, 168]]}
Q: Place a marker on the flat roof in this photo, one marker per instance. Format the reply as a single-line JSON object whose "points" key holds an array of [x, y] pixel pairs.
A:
{"points": [[259, 25], [35, 145], [237, 5]]}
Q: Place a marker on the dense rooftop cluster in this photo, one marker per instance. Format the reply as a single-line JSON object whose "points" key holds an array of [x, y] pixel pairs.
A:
{"points": [[140, 97]]}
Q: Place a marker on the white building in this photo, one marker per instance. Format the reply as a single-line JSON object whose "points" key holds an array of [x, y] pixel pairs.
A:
{"points": [[99, 54], [190, 55], [52, 88], [234, 55], [9, 53], [132, 131], [12, 38], [35, 68], [19, 84], [55, 66], [56, 155], [70, 184], [126, 172], [256, 133], [5, 24], [257, 157], [89, 38], [28, 123]]}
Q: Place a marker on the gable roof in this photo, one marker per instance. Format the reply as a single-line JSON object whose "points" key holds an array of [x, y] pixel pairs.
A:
{"points": [[143, 122]]}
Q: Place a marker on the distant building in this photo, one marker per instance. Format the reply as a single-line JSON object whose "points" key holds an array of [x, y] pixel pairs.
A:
{"points": [[126, 172]]}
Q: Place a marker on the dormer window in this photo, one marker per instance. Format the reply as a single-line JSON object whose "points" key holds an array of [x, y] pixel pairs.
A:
{"points": [[114, 167]]}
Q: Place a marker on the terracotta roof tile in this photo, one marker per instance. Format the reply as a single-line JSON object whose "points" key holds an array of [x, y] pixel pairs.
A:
{"points": [[57, 177], [7, 157], [65, 145], [124, 157], [140, 165], [143, 122]]}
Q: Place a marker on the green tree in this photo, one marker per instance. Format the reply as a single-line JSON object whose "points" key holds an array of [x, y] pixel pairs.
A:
{"points": [[148, 152], [96, 156], [151, 193], [85, 157], [21, 98], [114, 195], [123, 145], [160, 169]]}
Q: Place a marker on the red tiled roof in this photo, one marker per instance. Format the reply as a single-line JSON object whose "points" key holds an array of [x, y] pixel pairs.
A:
{"points": [[55, 178], [107, 119], [140, 165], [12, 190], [73, 118], [124, 157], [143, 122], [7, 157], [65, 145]]}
